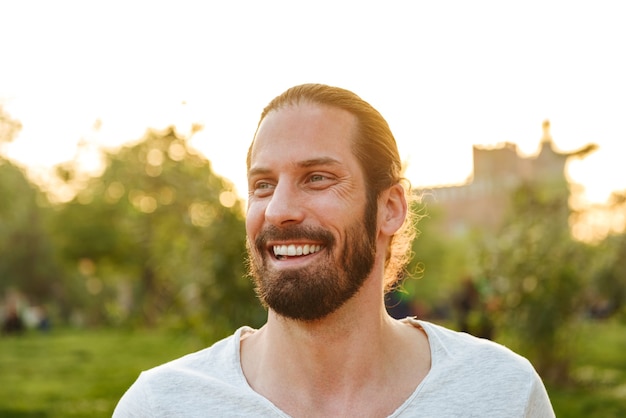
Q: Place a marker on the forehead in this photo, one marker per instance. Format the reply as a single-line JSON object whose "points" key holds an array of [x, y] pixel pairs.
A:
{"points": [[304, 131]]}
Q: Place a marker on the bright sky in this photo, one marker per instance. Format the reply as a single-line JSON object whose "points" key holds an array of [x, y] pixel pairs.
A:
{"points": [[445, 74]]}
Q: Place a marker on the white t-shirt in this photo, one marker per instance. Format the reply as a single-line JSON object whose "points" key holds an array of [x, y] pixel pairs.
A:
{"points": [[469, 377]]}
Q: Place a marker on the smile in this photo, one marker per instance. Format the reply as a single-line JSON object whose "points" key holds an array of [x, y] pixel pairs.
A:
{"points": [[292, 250]]}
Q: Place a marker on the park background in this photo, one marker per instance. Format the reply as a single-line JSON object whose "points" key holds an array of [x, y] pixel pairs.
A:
{"points": [[123, 133]]}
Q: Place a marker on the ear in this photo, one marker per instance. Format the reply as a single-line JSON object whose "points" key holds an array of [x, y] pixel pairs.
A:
{"points": [[392, 209]]}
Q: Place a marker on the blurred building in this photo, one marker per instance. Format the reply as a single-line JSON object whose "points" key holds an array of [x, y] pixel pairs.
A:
{"points": [[499, 171]]}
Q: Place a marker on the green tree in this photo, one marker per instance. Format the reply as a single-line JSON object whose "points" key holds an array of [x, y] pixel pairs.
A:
{"points": [[27, 263], [608, 288], [537, 272], [160, 238]]}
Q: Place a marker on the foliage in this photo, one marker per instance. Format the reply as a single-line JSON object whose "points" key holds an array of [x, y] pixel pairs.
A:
{"points": [[606, 294], [158, 239], [28, 259], [536, 272], [17, 208]]}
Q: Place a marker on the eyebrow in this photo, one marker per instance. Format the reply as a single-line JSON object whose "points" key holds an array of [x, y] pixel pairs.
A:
{"points": [[318, 161], [303, 164]]}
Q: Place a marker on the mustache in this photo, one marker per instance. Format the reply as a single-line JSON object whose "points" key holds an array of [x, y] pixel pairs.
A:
{"points": [[293, 233]]}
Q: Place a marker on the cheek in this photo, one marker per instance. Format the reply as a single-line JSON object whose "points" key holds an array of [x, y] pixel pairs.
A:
{"points": [[254, 219]]}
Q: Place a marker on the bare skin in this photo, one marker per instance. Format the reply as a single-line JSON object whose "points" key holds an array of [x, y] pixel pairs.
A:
{"points": [[356, 361]]}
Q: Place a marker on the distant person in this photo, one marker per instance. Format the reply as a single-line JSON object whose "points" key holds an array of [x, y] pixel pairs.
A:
{"points": [[12, 323], [471, 310], [328, 233], [43, 322]]}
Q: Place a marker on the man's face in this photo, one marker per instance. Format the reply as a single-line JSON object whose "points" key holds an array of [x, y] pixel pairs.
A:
{"points": [[311, 235]]}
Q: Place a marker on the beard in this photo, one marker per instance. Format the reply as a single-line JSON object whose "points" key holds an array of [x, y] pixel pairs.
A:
{"points": [[317, 290]]}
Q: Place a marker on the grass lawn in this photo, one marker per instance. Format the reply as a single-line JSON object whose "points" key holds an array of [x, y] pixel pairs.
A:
{"points": [[84, 373], [599, 372], [78, 373]]}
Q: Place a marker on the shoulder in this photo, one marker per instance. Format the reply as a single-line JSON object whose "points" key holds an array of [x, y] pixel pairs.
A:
{"points": [[209, 361], [210, 370], [474, 374], [449, 346]]}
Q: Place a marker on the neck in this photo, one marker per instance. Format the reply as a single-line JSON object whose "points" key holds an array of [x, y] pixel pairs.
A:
{"points": [[325, 355], [346, 336]]}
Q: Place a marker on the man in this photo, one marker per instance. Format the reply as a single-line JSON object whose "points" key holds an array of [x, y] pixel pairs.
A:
{"points": [[329, 231]]}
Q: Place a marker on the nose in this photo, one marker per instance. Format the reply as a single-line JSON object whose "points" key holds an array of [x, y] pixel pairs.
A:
{"points": [[285, 206]]}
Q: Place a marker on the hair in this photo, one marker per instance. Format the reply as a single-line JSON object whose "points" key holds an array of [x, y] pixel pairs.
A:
{"points": [[375, 148]]}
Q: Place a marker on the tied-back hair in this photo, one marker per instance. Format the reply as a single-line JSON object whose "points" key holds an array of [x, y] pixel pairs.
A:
{"points": [[375, 148]]}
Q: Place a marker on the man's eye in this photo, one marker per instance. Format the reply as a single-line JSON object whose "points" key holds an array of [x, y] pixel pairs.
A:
{"points": [[263, 187], [317, 177]]}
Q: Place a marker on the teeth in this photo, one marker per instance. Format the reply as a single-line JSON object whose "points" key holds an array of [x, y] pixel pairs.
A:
{"points": [[293, 250]]}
